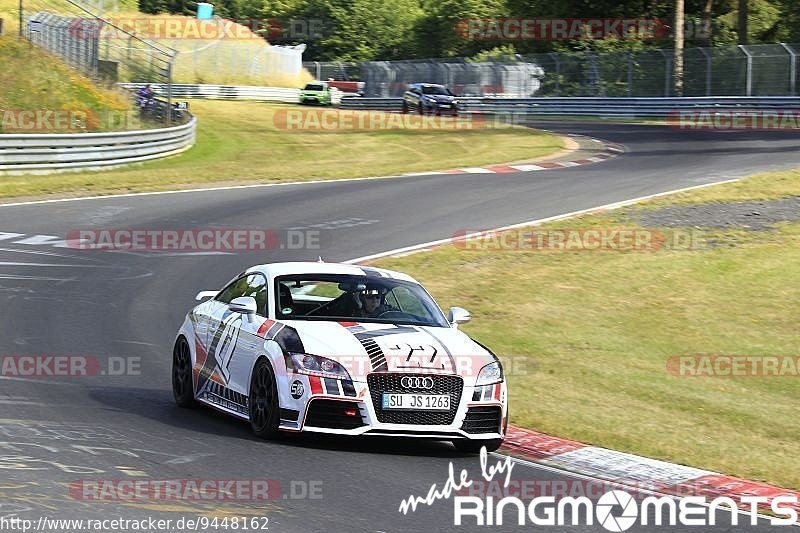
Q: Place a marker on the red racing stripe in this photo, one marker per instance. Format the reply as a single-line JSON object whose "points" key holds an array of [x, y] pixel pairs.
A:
{"points": [[316, 384], [262, 331]]}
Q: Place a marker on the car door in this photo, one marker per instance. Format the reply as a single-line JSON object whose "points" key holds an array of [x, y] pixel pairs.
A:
{"points": [[236, 343], [222, 333], [415, 98]]}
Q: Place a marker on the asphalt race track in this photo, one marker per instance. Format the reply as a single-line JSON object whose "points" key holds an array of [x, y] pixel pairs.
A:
{"points": [[55, 432]]}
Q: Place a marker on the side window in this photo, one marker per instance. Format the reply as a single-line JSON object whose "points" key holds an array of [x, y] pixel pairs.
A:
{"points": [[254, 285], [257, 288], [233, 290]]}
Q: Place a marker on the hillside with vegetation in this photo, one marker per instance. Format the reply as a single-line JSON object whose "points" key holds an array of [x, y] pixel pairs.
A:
{"points": [[32, 79], [231, 54]]}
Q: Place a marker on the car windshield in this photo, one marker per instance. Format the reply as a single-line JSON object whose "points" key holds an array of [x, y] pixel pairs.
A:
{"points": [[314, 87], [435, 89], [355, 298]]}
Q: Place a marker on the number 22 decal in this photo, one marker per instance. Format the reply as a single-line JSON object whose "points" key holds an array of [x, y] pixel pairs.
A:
{"points": [[228, 335]]}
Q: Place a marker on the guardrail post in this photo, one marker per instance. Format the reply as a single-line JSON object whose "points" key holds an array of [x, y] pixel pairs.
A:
{"points": [[557, 62], [630, 74], [792, 69], [169, 88], [667, 71], [709, 66], [749, 89]]}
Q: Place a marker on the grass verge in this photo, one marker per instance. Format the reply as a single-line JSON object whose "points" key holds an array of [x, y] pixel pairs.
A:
{"points": [[31, 78], [592, 332], [239, 142]]}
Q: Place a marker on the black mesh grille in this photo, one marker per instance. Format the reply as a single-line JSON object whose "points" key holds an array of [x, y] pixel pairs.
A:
{"points": [[376, 357], [482, 420], [331, 414], [380, 383]]}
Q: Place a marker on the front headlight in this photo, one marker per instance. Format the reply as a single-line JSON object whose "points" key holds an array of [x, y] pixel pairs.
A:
{"points": [[315, 365], [490, 374]]}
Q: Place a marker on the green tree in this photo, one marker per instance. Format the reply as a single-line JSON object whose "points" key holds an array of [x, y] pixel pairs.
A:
{"points": [[359, 30], [444, 29]]}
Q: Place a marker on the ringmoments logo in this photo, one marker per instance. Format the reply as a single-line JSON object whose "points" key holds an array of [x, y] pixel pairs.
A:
{"points": [[618, 510], [615, 510]]}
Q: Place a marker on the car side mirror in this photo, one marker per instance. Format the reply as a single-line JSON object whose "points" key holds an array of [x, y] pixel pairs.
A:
{"points": [[245, 305], [202, 295], [458, 315]]}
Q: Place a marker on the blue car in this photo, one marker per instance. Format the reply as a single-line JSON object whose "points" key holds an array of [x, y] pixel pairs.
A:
{"points": [[429, 98]]}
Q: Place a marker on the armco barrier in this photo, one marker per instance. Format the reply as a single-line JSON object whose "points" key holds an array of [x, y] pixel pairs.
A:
{"points": [[54, 152], [232, 92], [589, 106], [656, 107]]}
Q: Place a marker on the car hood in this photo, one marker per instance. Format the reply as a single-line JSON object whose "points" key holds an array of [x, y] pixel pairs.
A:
{"points": [[364, 347], [441, 98]]}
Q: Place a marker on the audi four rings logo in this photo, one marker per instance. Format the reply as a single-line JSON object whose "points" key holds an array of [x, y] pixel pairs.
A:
{"points": [[416, 382]]}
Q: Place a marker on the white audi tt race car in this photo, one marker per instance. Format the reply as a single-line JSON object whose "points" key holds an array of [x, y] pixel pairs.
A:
{"points": [[343, 349]]}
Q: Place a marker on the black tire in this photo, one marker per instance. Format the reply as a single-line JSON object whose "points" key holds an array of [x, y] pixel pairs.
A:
{"points": [[420, 109], [182, 385], [474, 446], [262, 401], [405, 107]]}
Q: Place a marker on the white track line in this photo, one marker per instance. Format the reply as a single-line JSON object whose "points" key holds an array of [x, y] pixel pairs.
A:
{"points": [[251, 186], [186, 191], [432, 244]]}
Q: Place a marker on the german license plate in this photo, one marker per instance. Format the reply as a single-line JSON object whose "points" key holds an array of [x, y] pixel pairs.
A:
{"points": [[416, 402]]}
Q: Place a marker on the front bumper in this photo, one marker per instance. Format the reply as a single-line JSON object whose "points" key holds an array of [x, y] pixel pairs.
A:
{"points": [[441, 109], [354, 409], [314, 100]]}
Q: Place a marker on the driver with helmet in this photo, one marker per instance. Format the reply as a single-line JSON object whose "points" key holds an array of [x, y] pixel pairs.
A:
{"points": [[372, 302]]}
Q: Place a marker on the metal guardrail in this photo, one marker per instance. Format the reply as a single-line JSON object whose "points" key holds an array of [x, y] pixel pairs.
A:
{"points": [[54, 152], [658, 107], [622, 107], [233, 92], [223, 92]]}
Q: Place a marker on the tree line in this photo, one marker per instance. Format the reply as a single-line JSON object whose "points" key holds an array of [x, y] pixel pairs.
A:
{"points": [[361, 30]]}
